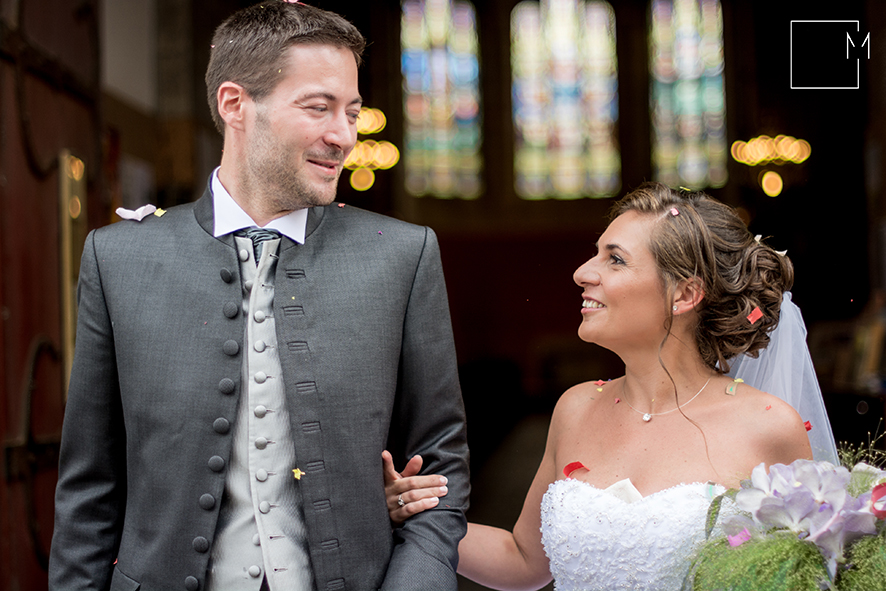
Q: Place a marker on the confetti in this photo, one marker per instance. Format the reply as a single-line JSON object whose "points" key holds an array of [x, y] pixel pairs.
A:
{"points": [[572, 467], [599, 382], [341, 204], [739, 538], [379, 232], [754, 316], [878, 506], [617, 400], [138, 214], [298, 474], [599, 389], [674, 212], [730, 389], [808, 425], [768, 406], [160, 212]]}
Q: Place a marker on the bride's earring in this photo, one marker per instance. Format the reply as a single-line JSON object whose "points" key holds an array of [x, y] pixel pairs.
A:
{"points": [[675, 308]]}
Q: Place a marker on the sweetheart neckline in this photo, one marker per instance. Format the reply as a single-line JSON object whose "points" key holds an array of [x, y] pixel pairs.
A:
{"points": [[713, 486]]}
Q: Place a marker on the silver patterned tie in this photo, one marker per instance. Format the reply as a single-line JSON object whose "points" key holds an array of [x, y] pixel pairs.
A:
{"points": [[258, 236]]}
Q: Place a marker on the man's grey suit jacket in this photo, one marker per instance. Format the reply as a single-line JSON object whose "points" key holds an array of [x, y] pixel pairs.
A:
{"points": [[368, 362]]}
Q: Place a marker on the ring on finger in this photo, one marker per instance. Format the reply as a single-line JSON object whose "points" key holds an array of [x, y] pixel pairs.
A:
{"points": [[400, 501]]}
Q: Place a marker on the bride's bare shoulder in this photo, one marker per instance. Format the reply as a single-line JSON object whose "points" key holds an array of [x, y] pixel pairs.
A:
{"points": [[581, 399], [770, 425]]}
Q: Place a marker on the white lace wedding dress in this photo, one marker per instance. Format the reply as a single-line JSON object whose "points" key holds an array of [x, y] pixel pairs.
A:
{"points": [[614, 539]]}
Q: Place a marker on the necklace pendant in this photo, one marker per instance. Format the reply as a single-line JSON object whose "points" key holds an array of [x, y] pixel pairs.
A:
{"points": [[647, 417]]}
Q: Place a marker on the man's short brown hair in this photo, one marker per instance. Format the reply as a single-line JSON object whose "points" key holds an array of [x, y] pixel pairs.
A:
{"points": [[249, 47]]}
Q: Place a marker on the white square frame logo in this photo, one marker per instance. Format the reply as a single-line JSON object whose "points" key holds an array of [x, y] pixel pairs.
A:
{"points": [[857, 61]]}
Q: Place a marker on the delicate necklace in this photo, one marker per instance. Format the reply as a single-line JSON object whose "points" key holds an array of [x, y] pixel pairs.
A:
{"points": [[647, 416]]}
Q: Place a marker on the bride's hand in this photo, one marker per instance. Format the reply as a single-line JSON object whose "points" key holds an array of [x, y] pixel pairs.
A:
{"points": [[407, 494]]}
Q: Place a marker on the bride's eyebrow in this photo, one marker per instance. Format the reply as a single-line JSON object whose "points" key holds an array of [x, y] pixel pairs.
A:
{"points": [[611, 247]]}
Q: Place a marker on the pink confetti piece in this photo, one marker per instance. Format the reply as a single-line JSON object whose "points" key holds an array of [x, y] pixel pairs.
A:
{"points": [[768, 406], [754, 316], [617, 400], [572, 467], [138, 214], [808, 425], [674, 212], [341, 204], [379, 233], [599, 382], [739, 538]]}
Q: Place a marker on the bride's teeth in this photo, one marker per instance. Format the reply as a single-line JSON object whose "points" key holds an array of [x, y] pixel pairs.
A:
{"points": [[591, 304]]}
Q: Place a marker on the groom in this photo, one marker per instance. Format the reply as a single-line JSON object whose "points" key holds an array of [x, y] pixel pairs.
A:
{"points": [[233, 389]]}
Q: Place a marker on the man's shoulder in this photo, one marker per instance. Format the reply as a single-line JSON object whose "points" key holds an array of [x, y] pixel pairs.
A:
{"points": [[353, 219], [152, 227]]}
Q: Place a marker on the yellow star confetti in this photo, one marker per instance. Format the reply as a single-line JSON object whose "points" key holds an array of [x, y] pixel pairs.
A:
{"points": [[297, 473]]}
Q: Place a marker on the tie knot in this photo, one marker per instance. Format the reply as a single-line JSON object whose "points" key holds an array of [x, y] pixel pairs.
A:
{"points": [[257, 235]]}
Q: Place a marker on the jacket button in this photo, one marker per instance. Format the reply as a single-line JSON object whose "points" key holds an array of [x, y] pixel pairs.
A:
{"points": [[200, 544], [207, 501], [226, 275], [231, 347], [221, 425], [216, 463], [192, 584], [259, 316], [226, 386], [231, 310]]}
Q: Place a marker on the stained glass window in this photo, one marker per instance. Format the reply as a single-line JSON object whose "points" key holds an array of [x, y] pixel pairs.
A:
{"points": [[687, 101], [441, 98], [565, 99]]}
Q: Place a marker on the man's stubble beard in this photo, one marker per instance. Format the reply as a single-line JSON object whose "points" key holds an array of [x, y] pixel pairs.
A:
{"points": [[278, 179]]}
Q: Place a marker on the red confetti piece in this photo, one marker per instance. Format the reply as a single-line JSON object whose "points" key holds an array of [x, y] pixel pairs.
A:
{"points": [[877, 506], [808, 425], [599, 382], [341, 204], [755, 315], [617, 400], [572, 467], [768, 406]]}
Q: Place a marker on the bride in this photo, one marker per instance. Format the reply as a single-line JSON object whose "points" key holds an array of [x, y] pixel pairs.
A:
{"points": [[678, 289]]}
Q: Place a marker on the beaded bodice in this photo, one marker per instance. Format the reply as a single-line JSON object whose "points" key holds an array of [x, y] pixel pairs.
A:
{"points": [[595, 540]]}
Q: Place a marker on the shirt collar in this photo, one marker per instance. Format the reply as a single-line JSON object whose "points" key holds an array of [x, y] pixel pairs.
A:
{"points": [[230, 217]]}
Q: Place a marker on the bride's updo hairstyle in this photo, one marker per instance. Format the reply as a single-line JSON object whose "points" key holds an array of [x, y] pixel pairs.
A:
{"points": [[698, 237]]}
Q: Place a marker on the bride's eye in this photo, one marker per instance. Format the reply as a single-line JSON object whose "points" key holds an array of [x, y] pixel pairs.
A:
{"points": [[616, 260]]}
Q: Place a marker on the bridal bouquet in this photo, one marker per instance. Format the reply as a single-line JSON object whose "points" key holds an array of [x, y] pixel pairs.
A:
{"points": [[810, 525]]}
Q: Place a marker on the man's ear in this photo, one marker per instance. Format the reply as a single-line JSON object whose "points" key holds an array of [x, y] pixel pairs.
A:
{"points": [[232, 102], [688, 295]]}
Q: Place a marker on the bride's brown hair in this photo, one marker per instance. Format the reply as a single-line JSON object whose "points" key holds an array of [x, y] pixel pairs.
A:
{"points": [[697, 237]]}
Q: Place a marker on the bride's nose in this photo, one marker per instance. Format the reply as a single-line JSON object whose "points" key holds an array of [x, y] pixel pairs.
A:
{"points": [[587, 274]]}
